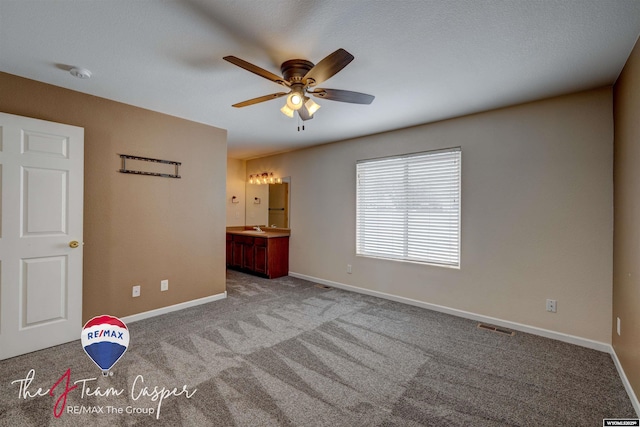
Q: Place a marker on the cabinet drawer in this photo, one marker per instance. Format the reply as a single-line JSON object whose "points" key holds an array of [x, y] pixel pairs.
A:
{"points": [[259, 241], [261, 262], [246, 240]]}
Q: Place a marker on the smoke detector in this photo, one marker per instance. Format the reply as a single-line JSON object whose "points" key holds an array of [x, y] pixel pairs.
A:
{"points": [[81, 73]]}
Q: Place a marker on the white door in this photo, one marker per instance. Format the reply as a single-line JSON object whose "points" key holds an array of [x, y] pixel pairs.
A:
{"points": [[42, 173]]}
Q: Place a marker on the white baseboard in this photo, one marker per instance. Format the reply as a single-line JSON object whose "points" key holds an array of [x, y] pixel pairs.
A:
{"points": [[571, 339], [171, 308], [625, 381]]}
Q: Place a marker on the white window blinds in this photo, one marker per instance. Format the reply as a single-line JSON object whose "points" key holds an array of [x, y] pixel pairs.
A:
{"points": [[408, 207]]}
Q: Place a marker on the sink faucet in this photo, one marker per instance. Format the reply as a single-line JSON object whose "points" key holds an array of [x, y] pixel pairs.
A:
{"points": [[257, 229]]}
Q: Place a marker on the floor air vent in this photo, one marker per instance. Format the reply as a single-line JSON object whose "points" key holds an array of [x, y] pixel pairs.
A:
{"points": [[496, 329]]}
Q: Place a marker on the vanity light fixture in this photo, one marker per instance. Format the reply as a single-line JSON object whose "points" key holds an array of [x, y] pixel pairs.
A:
{"points": [[264, 178]]}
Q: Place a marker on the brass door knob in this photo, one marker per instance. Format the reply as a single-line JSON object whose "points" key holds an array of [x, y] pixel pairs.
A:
{"points": [[74, 244]]}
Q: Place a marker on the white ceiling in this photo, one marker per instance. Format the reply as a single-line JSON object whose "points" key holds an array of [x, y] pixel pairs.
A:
{"points": [[423, 60]]}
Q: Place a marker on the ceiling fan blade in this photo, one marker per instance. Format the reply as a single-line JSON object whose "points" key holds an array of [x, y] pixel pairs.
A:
{"points": [[328, 67], [343, 96], [304, 114], [259, 99], [256, 70]]}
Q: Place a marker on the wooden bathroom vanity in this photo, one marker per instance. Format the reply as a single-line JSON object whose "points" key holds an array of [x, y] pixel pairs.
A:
{"points": [[264, 253]]}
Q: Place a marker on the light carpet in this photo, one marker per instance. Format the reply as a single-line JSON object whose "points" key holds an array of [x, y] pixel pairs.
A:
{"points": [[288, 352]]}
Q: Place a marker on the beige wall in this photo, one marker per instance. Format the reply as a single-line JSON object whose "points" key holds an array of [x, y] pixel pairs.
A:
{"points": [[626, 255], [537, 212], [139, 229], [236, 177]]}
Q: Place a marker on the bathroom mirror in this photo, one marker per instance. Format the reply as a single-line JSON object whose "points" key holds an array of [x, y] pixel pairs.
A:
{"points": [[268, 204]]}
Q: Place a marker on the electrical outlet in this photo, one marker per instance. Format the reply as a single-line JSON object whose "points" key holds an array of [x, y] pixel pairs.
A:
{"points": [[164, 285], [136, 291], [618, 325], [552, 305], [349, 268]]}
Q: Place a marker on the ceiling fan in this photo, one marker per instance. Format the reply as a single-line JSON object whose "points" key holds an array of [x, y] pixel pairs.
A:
{"points": [[301, 77]]}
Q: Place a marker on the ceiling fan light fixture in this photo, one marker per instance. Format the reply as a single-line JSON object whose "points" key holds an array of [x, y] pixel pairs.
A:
{"points": [[295, 101], [311, 106], [287, 111]]}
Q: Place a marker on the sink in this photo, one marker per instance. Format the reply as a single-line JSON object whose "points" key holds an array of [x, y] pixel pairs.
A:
{"points": [[254, 231]]}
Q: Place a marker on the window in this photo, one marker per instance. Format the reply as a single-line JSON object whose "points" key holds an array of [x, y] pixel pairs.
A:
{"points": [[408, 207]]}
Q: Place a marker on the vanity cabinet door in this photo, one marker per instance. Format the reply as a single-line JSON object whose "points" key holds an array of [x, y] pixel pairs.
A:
{"points": [[247, 256], [241, 251], [261, 256], [236, 254]]}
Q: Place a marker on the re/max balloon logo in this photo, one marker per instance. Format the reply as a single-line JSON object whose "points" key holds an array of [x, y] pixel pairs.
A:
{"points": [[105, 339]]}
